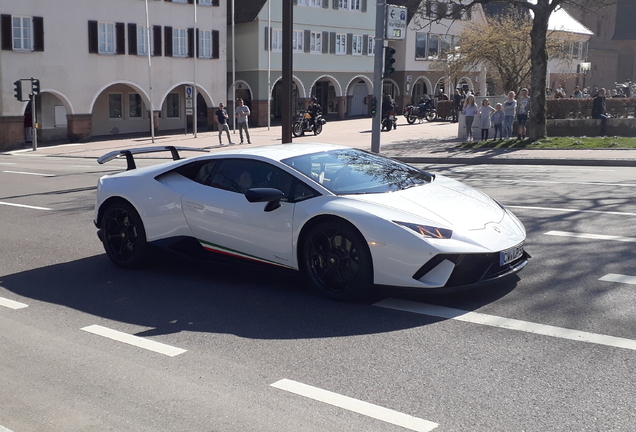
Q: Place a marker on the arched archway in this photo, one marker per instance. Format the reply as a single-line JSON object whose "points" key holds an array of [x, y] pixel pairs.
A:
{"points": [[298, 93], [359, 92], [421, 88], [328, 91]]}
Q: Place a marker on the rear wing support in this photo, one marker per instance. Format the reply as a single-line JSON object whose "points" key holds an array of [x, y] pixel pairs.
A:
{"points": [[130, 160]]}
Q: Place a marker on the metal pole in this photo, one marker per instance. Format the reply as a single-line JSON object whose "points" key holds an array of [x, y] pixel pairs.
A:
{"points": [[287, 66], [152, 109], [377, 74], [269, 65], [194, 89], [34, 139], [233, 71]]}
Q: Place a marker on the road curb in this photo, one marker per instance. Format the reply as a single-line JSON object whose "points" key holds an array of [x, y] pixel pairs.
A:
{"points": [[516, 161]]}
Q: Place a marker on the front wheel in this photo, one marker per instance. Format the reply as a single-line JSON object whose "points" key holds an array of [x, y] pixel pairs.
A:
{"points": [[431, 115], [317, 129], [297, 130], [336, 261], [124, 236], [410, 119]]}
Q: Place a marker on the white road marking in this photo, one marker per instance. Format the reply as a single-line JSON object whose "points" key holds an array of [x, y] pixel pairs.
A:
{"points": [[571, 210], [24, 206], [611, 277], [506, 323], [4, 429], [12, 304], [29, 173], [355, 405], [591, 236], [134, 340], [8, 163], [565, 182]]}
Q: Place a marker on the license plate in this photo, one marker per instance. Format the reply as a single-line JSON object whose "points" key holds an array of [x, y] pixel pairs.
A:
{"points": [[509, 255]]}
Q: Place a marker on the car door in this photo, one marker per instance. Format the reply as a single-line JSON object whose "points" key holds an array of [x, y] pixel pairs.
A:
{"points": [[224, 221]]}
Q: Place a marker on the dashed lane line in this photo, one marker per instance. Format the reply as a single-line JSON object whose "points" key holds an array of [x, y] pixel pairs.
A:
{"points": [[134, 340], [506, 323], [591, 236], [11, 304], [365, 408], [612, 277], [29, 173], [24, 206], [570, 210]]}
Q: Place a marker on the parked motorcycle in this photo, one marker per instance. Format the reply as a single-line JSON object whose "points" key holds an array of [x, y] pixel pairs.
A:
{"points": [[413, 113], [389, 121], [303, 124]]}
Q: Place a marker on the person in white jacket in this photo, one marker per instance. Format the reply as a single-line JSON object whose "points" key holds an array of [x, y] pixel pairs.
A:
{"points": [[470, 110], [484, 118]]}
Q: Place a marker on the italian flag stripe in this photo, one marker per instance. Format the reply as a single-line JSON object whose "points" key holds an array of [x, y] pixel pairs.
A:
{"points": [[231, 252]]}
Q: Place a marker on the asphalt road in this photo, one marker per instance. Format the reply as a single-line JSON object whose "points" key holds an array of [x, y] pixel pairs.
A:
{"points": [[261, 349]]}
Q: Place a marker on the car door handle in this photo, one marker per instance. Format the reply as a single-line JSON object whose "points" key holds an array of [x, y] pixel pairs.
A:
{"points": [[194, 205]]}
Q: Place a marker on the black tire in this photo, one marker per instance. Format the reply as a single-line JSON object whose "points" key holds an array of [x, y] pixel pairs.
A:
{"points": [[410, 119], [318, 129], [336, 261], [431, 115], [297, 130], [124, 236]]}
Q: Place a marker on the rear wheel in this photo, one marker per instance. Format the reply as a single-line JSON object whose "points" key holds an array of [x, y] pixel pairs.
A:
{"points": [[410, 119], [124, 236], [336, 260], [297, 130]]}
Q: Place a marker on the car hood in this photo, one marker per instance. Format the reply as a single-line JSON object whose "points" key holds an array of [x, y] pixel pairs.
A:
{"points": [[444, 201]]}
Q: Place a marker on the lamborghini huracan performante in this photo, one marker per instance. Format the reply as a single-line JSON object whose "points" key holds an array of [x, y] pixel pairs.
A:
{"points": [[345, 218]]}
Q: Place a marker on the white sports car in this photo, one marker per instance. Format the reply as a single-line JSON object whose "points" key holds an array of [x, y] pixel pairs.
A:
{"points": [[343, 217]]}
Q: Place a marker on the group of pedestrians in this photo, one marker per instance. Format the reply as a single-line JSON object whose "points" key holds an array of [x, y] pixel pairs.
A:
{"points": [[241, 113], [501, 116]]}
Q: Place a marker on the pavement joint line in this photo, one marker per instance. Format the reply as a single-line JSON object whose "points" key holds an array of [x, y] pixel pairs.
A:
{"points": [[134, 340], [12, 304], [24, 206], [571, 210], [612, 277], [591, 236], [506, 323], [365, 408]]}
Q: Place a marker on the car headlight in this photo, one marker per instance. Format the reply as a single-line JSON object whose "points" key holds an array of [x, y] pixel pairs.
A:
{"points": [[427, 231]]}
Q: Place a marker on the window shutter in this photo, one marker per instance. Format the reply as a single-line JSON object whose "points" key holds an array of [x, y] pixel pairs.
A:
{"points": [[325, 4], [332, 42], [215, 44], [307, 46], [191, 1], [349, 43], [197, 39], [167, 36], [325, 42], [190, 42], [365, 44], [216, 2], [363, 5], [335, 4], [120, 38], [267, 48], [132, 39], [7, 38], [168, 1], [295, 2], [92, 37], [156, 40], [38, 34]]}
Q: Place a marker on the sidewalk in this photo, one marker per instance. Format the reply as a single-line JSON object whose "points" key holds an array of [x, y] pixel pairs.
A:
{"points": [[434, 142]]}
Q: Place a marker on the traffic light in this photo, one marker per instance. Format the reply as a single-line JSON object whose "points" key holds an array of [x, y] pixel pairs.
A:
{"points": [[18, 90], [389, 52], [35, 86], [374, 106]]}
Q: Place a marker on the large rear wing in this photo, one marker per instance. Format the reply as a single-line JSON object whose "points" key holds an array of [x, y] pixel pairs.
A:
{"points": [[130, 160]]}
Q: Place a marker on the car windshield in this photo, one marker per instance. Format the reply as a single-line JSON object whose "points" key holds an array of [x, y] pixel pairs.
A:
{"points": [[352, 171]]}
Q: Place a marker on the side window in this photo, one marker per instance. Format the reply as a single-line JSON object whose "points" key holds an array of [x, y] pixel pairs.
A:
{"points": [[239, 175]]}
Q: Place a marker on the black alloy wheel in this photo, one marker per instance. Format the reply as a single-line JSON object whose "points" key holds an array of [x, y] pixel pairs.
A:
{"points": [[124, 236], [317, 129], [297, 129], [336, 260]]}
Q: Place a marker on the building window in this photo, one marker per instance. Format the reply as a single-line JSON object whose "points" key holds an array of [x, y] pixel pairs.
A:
{"points": [[205, 2], [205, 44], [22, 34], [297, 40], [106, 37], [356, 45], [142, 41], [172, 105], [179, 1], [134, 105], [310, 3], [316, 42], [371, 47], [353, 5], [433, 46], [179, 42], [341, 43], [277, 39], [115, 107]]}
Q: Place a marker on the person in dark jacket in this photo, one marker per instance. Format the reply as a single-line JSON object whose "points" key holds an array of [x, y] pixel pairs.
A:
{"points": [[599, 110], [313, 110]]}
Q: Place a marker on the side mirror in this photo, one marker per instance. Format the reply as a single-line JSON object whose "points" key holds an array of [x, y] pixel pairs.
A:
{"points": [[269, 195]]}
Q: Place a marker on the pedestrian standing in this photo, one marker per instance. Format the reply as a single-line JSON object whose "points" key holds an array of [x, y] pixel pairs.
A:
{"points": [[599, 110], [509, 109], [470, 109], [242, 114], [28, 125], [457, 105], [484, 118], [497, 121], [523, 110], [221, 118]]}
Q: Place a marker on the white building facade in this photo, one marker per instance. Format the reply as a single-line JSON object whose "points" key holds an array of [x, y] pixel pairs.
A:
{"points": [[91, 58]]}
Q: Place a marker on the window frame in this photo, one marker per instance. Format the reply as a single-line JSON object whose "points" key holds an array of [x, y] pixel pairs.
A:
{"points": [[356, 47], [106, 45], [142, 43], [315, 42], [205, 49], [298, 41], [21, 29], [134, 105], [341, 44], [179, 42], [170, 107], [371, 46], [121, 106], [277, 39]]}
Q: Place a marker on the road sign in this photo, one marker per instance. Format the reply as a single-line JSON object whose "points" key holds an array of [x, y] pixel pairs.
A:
{"points": [[188, 92], [395, 22], [189, 111]]}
